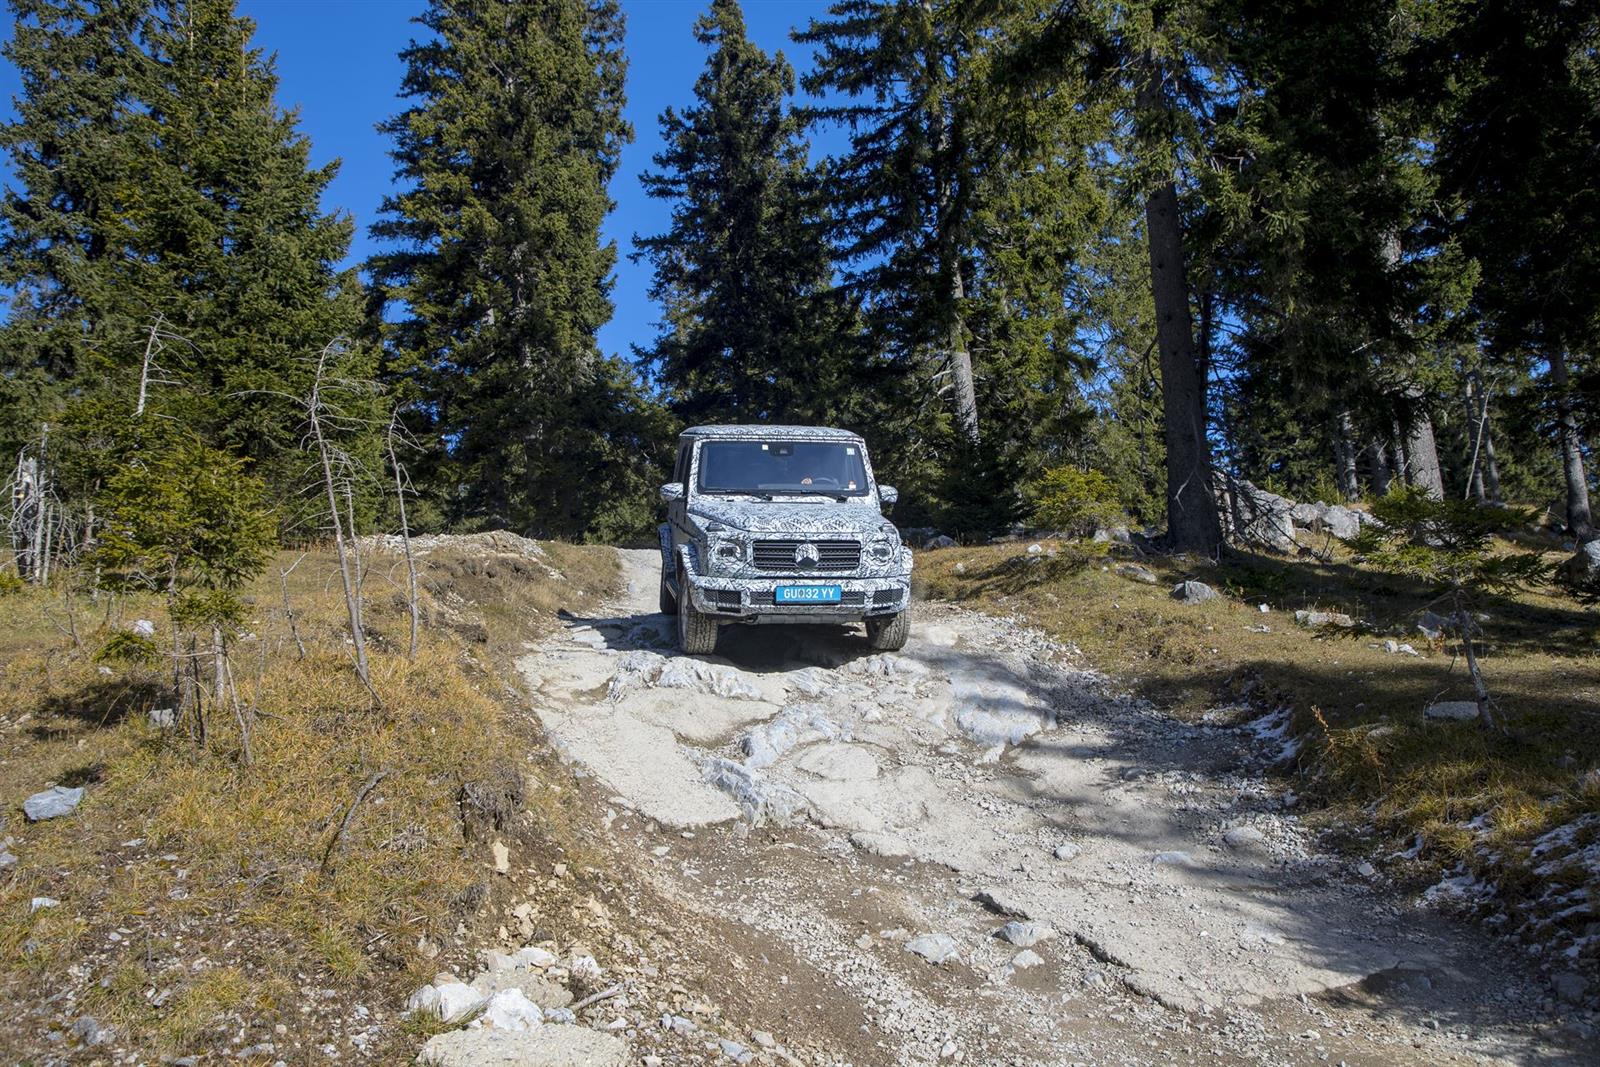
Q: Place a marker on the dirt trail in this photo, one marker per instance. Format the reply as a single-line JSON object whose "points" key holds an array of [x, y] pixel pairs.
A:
{"points": [[1168, 904]]}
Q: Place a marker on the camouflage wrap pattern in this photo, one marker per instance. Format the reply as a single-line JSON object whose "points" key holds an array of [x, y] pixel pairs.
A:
{"points": [[717, 544]]}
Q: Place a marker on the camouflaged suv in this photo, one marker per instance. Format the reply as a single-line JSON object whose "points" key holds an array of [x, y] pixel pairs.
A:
{"points": [[780, 524]]}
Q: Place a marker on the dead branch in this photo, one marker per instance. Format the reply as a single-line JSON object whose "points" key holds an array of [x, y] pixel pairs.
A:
{"points": [[288, 608], [400, 480], [349, 814]]}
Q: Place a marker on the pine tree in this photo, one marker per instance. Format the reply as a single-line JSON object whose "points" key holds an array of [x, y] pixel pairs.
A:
{"points": [[1145, 63], [498, 266], [903, 196], [957, 211], [753, 329], [166, 240], [69, 149], [1519, 151]]}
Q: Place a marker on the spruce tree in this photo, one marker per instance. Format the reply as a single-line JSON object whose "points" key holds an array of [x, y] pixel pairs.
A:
{"points": [[498, 267], [1518, 153], [165, 238], [957, 213], [752, 328]]}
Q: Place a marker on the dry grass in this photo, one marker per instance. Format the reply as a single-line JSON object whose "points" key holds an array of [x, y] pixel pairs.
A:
{"points": [[192, 888], [1369, 757]]}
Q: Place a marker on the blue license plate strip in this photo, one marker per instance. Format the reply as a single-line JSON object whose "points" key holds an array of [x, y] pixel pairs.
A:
{"points": [[806, 594]]}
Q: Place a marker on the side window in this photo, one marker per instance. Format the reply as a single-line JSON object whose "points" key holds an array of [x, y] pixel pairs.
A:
{"points": [[680, 473]]}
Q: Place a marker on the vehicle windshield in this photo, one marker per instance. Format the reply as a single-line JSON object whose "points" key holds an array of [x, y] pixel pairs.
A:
{"points": [[828, 468]]}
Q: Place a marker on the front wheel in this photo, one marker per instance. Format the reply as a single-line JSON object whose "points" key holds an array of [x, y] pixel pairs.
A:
{"points": [[697, 631], [888, 633]]}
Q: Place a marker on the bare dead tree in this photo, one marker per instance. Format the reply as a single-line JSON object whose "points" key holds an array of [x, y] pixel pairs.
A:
{"points": [[336, 467], [288, 608], [402, 484]]}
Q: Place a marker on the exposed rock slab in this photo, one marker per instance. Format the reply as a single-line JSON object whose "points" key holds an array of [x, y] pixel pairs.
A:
{"points": [[546, 1046]]}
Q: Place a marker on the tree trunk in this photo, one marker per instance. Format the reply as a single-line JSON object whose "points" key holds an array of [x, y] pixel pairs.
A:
{"points": [[1474, 424], [1193, 524], [1579, 520], [1485, 481], [946, 135], [1421, 463], [1378, 464], [1402, 464], [961, 362], [1344, 453], [1423, 454], [1491, 469]]}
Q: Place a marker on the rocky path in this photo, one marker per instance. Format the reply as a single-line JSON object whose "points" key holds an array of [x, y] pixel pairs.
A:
{"points": [[976, 851]]}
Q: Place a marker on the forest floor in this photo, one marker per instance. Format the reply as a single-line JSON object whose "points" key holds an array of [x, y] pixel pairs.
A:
{"points": [[758, 856]]}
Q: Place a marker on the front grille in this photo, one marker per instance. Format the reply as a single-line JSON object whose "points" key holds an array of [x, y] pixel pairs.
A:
{"points": [[849, 598], [778, 555]]}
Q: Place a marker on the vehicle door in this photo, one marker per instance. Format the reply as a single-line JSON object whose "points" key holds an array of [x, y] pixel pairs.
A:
{"points": [[678, 510]]}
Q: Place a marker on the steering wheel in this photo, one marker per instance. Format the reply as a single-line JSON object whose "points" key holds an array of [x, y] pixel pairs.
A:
{"points": [[825, 480]]}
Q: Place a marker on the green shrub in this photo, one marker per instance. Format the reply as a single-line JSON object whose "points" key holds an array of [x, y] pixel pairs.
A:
{"points": [[1074, 501]]}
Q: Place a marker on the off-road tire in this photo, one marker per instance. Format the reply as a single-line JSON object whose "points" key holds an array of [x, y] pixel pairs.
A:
{"points": [[888, 633], [697, 631], [669, 603]]}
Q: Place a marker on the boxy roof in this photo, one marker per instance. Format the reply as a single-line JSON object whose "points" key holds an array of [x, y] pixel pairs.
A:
{"points": [[761, 431]]}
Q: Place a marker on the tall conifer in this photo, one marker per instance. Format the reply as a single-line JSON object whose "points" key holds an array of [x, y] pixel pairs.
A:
{"points": [[753, 329], [497, 267]]}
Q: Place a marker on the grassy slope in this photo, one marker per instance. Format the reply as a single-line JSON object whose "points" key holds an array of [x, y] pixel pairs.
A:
{"points": [[1368, 756], [194, 904]]}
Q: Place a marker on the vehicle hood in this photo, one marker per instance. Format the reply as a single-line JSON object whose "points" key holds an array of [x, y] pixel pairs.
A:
{"points": [[792, 518]]}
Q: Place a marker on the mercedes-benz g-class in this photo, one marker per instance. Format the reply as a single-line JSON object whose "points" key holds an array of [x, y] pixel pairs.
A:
{"points": [[780, 524]]}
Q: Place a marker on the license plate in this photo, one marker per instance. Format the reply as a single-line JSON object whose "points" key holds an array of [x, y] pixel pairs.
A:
{"points": [[806, 594]]}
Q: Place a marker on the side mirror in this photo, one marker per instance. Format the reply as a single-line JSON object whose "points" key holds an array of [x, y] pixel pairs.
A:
{"points": [[672, 491], [887, 495]]}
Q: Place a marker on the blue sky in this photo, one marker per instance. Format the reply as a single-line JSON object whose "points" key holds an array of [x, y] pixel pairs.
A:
{"points": [[338, 64]]}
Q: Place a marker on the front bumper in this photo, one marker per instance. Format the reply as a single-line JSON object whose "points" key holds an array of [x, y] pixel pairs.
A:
{"points": [[751, 599]]}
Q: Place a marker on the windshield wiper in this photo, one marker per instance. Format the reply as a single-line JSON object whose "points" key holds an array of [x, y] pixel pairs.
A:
{"points": [[838, 497]]}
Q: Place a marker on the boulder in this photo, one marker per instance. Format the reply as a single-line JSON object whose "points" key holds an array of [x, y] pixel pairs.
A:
{"points": [[1324, 618], [546, 1046], [1191, 592], [1335, 519], [1024, 934], [1245, 839], [1113, 535], [1584, 565], [1307, 514], [448, 1001], [935, 948], [52, 803], [509, 1009], [1341, 521], [1251, 515], [1134, 572], [939, 541], [760, 800], [1025, 959], [1452, 711]]}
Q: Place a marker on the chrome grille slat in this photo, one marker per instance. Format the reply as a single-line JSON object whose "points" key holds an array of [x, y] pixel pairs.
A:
{"points": [[777, 554]]}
